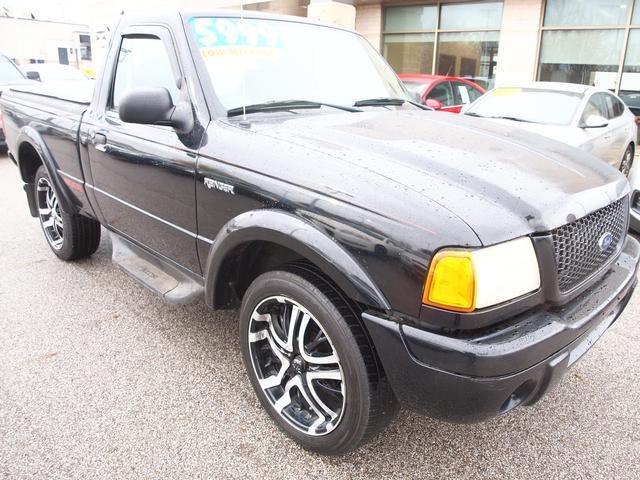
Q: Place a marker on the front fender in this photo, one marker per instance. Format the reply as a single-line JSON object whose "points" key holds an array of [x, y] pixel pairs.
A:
{"points": [[29, 135], [300, 236]]}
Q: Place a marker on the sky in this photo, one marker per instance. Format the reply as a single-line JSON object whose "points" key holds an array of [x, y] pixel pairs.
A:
{"points": [[68, 10]]}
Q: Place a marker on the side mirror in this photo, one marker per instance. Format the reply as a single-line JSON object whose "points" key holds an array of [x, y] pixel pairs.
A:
{"points": [[433, 103], [595, 121], [149, 106], [33, 76]]}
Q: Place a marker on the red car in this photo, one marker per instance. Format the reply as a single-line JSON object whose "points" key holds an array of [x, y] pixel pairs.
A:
{"points": [[448, 94]]}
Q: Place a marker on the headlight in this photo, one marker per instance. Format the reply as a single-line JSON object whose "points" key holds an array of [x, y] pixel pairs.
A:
{"points": [[466, 280]]}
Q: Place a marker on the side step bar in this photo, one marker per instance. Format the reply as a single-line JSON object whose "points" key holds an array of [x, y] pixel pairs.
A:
{"points": [[159, 276]]}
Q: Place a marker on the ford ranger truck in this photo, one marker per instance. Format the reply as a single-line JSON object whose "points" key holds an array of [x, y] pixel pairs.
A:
{"points": [[379, 254]]}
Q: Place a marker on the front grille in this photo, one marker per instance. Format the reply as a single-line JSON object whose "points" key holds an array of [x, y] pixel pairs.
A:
{"points": [[577, 245]]}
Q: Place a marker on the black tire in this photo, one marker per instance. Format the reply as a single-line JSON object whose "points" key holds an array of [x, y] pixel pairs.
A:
{"points": [[627, 161], [368, 402], [78, 237]]}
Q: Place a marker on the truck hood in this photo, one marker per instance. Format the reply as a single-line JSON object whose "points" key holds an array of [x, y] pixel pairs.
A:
{"points": [[501, 181]]}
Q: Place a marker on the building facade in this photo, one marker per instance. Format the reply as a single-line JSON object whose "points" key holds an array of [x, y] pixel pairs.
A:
{"points": [[594, 42], [26, 38]]}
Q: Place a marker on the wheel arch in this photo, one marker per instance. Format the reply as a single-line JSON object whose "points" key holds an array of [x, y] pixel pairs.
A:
{"points": [[235, 260], [32, 152]]}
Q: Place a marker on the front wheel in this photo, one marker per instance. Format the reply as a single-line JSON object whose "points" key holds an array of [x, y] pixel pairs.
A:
{"points": [[627, 161], [311, 364], [71, 237]]}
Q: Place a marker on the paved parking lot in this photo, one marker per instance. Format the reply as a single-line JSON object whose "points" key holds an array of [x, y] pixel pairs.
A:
{"points": [[100, 379]]}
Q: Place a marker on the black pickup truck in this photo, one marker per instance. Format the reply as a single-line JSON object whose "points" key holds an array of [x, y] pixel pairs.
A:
{"points": [[380, 254]]}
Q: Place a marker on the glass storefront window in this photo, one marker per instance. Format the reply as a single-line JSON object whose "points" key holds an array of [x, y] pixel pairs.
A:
{"points": [[410, 19], [586, 12], [635, 20], [590, 57], [470, 55], [467, 32], [467, 16], [630, 83], [409, 52]]}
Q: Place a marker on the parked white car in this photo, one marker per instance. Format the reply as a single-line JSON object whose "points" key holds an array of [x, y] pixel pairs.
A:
{"points": [[53, 72], [592, 119]]}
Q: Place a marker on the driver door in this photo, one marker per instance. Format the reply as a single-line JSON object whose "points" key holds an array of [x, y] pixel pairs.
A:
{"points": [[144, 175]]}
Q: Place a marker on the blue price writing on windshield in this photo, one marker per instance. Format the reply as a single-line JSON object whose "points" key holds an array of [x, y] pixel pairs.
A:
{"points": [[234, 32]]}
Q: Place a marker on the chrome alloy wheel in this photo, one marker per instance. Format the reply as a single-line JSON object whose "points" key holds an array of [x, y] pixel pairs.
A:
{"points": [[50, 215], [296, 365], [627, 161]]}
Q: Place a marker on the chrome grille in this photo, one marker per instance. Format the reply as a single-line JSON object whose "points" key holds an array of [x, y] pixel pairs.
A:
{"points": [[577, 244]]}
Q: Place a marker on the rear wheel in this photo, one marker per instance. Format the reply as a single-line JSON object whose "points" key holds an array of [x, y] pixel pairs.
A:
{"points": [[627, 161], [311, 364], [71, 237]]}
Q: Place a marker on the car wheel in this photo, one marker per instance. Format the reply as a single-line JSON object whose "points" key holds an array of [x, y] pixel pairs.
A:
{"points": [[627, 161], [311, 363], [70, 237]]}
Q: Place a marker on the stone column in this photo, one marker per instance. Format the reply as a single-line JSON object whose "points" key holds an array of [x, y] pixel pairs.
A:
{"points": [[341, 13], [517, 54]]}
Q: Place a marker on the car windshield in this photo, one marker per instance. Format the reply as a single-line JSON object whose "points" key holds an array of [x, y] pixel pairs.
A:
{"points": [[528, 105], [252, 61], [8, 71]]}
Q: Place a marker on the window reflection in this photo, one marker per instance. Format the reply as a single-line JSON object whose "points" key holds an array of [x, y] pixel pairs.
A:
{"points": [[589, 57], [410, 52], [586, 12], [470, 55]]}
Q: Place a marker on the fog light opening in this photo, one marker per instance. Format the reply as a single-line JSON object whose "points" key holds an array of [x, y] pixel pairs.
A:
{"points": [[519, 395]]}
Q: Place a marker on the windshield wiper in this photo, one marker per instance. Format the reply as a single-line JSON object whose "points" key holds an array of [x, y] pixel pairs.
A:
{"points": [[387, 102], [279, 105], [499, 117]]}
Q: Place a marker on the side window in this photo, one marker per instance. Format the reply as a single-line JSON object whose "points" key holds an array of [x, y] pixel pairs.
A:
{"points": [[142, 62], [615, 106], [466, 93], [595, 106], [443, 93]]}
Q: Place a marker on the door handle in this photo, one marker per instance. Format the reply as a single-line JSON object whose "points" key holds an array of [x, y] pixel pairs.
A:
{"points": [[100, 141]]}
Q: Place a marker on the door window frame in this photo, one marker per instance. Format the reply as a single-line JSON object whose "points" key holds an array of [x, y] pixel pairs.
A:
{"points": [[143, 31]]}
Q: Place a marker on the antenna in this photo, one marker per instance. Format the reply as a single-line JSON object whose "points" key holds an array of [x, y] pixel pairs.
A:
{"points": [[244, 82]]}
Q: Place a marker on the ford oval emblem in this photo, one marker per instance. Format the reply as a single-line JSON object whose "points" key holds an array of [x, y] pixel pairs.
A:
{"points": [[605, 241]]}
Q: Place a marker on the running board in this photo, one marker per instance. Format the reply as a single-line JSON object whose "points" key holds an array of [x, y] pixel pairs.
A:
{"points": [[159, 276]]}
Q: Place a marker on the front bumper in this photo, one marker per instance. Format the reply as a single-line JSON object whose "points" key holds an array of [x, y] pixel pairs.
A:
{"points": [[477, 376]]}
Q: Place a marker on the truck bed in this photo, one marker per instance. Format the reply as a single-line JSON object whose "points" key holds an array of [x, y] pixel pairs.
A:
{"points": [[54, 110]]}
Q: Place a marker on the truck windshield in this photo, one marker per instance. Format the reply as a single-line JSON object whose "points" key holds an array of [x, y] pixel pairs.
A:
{"points": [[8, 71], [252, 61]]}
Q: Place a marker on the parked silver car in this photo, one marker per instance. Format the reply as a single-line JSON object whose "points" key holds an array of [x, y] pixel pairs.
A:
{"points": [[592, 119], [634, 180]]}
